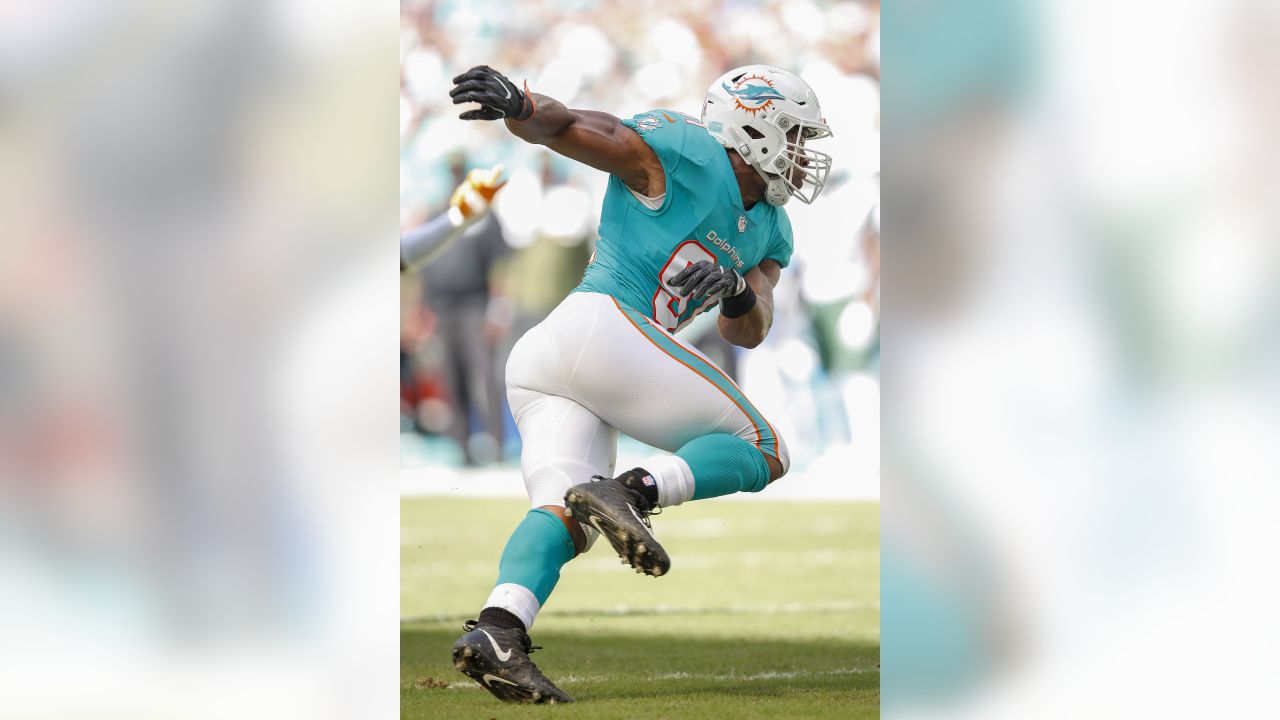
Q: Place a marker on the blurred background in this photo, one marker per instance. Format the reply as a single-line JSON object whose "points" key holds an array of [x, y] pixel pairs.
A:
{"points": [[1080, 387], [816, 376], [197, 448]]}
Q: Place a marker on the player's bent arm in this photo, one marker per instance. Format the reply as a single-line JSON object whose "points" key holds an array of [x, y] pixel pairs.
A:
{"points": [[593, 138], [749, 330]]}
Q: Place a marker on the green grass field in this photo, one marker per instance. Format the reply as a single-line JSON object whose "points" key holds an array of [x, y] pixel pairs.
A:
{"points": [[771, 610]]}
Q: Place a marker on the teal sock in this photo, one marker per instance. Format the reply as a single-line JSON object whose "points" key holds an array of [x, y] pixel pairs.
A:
{"points": [[724, 464], [534, 554]]}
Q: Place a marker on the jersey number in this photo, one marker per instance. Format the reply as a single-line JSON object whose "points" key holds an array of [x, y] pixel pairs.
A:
{"points": [[669, 310]]}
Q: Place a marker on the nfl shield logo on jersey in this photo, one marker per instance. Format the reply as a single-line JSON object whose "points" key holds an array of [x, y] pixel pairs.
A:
{"points": [[742, 223]]}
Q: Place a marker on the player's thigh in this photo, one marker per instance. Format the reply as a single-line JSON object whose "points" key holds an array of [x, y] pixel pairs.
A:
{"points": [[562, 444], [660, 390], [533, 369]]}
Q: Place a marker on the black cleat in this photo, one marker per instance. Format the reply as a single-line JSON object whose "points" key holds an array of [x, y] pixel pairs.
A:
{"points": [[498, 659], [622, 515]]}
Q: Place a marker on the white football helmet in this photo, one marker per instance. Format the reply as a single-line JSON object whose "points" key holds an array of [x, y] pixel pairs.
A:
{"points": [[753, 109]]}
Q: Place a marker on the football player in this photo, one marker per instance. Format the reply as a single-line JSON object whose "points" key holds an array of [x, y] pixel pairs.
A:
{"points": [[692, 220]]}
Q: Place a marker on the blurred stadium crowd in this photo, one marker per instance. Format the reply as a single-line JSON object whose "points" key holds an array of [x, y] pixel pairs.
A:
{"points": [[816, 375]]}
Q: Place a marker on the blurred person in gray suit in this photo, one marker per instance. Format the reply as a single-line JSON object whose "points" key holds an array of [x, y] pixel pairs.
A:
{"points": [[472, 318]]}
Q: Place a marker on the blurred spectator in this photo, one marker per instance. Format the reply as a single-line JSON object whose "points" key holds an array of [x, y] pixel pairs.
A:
{"points": [[471, 319]]}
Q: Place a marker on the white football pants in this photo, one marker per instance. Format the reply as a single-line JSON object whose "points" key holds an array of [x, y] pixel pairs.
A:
{"points": [[595, 367]]}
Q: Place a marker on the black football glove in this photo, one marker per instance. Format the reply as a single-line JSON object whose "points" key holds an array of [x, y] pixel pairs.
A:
{"points": [[708, 281], [498, 97]]}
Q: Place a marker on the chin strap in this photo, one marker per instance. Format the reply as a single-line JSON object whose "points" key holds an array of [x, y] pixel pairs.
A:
{"points": [[777, 192]]}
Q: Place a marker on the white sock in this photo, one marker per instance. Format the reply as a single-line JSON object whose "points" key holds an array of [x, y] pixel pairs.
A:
{"points": [[517, 600], [674, 478]]}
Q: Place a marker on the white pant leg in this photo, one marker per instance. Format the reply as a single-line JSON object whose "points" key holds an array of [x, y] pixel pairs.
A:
{"points": [[562, 443]]}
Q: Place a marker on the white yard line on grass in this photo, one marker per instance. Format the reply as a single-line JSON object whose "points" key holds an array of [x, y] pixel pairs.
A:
{"points": [[626, 610], [770, 675], [730, 677]]}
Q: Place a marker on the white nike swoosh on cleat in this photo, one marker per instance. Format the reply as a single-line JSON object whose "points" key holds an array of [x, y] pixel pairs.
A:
{"points": [[637, 517], [485, 678], [503, 656]]}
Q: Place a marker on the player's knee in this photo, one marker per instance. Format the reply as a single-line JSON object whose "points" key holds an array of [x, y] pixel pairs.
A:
{"points": [[778, 463], [776, 468]]}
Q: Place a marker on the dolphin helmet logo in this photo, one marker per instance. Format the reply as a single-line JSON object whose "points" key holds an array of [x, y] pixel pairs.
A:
{"points": [[752, 93]]}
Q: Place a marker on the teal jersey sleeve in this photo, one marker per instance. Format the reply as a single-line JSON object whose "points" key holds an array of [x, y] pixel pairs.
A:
{"points": [[680, 142], [701, 218], [665, 138]]}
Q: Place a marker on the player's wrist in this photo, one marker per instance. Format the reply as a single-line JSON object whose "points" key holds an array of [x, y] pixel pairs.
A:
{"points": [[739, 304], [527, 106], [526, 110]]}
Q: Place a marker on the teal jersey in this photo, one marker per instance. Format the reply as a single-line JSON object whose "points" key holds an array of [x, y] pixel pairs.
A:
{"points": [[701, 218]]}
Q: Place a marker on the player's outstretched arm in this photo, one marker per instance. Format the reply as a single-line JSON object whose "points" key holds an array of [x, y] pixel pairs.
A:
{"points": [[746, 301], [593, 138]]}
